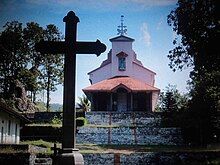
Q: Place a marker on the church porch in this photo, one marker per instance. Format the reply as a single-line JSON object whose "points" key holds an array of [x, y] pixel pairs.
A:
{"points": [[121, 101], [122, 94]]}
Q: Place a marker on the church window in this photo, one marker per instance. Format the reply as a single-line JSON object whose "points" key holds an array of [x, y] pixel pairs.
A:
{"points": [[121, 64]]}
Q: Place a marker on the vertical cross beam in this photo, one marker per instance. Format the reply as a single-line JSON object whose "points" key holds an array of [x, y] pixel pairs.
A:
{"points": [[69, 114], [70, 47]]}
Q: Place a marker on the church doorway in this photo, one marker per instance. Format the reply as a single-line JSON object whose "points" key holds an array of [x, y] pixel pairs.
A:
{"points": [[122, 100]]}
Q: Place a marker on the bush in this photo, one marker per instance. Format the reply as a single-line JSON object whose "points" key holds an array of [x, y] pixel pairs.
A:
{"points": [[81, 121], [47, 133], [56, 120]]}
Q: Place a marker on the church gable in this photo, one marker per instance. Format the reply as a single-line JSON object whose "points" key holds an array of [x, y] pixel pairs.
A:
{"points": [[121, 54], [122, 38], [122, 61]]}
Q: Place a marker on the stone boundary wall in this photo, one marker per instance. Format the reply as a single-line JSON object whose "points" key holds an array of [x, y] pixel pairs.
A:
{"points": [[113, 128], [129, 136], [127, 128], [123, 118]]}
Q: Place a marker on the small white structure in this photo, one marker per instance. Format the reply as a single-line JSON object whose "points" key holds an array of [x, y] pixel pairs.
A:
{"points": [[10, 124], [122, 83]]}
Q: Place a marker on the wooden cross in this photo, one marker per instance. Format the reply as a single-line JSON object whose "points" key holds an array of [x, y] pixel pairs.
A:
{"points": [[70, 47]]}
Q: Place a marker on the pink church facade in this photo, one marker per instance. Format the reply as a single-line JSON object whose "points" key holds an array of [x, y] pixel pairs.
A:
{"points": [[122, 83]]}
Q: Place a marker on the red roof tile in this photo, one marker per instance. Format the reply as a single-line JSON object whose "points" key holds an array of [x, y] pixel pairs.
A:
{"points": [[114, 83]]}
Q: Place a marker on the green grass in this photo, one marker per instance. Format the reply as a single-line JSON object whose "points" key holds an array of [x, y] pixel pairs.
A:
{"points": [[44, 125], [10, 150], [39, 143], [110, 126], [102, 126], [93, 148]]}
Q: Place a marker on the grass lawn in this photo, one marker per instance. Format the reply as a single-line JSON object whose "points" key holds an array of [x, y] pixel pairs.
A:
{"points": [[93, 148], [127, 149]]}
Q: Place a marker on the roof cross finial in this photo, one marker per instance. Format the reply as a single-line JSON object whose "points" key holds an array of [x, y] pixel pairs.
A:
{"points": [[122, 29]]}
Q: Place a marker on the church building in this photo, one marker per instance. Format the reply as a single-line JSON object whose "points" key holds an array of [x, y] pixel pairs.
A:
{"points": [[122, 83]]}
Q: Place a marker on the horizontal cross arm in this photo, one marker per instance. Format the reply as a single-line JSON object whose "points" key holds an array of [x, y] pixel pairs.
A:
{"points": [[60, 47], [90, 47], [51, 47]]}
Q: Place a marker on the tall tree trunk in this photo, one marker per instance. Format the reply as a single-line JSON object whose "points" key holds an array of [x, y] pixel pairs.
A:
{"points": [[48, 92], [34, 96], [5, 86]]}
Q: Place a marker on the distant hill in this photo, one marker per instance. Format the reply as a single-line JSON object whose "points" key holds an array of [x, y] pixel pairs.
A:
{"points": [[56, 107]]}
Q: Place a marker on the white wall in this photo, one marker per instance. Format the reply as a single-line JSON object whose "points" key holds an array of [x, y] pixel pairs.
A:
{"points": [[12, 136], [118, 47], [143, 74], [101, 74], [155, 96], [132, 69]]}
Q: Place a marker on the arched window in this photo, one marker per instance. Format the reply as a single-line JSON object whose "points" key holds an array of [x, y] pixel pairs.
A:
{"points": [[122, 61], [121, 64]]}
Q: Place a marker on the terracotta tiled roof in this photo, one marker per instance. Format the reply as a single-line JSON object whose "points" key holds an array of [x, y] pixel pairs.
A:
{"points": [[114, 83]]}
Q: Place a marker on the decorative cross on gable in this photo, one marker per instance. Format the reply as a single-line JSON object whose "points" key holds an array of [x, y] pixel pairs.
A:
{"points": [[70, 47], [122, 29]]}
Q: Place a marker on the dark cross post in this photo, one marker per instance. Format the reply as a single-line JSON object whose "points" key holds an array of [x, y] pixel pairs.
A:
{"points": [[70, 47]]}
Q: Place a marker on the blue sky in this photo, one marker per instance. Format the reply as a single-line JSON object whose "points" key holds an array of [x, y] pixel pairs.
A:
{"points": [[146, 21]]}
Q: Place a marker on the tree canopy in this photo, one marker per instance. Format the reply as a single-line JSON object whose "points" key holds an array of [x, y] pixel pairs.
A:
{"points": [[196, 22], [171, 100], [84, 103], [20, 61]]}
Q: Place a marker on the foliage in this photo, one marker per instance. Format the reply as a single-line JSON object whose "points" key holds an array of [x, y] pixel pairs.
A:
{"points": [[33, 33], [41, 106], [14, 56], [52, 69], [10, 150], [84, 103], [20, 61], [171, 100], [197, 22], [82, 120], [56, 120]]}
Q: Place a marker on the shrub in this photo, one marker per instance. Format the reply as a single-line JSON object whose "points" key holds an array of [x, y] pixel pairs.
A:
{"points": [[81, 121], [56, 120]]}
